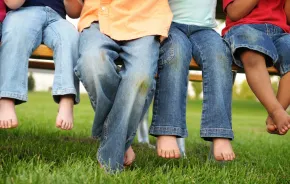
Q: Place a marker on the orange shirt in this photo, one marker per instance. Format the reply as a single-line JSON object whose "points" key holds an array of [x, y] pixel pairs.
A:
{"points": [[127, 19]]}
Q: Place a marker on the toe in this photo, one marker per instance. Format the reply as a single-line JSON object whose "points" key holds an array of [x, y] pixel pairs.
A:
{"points": [[159, 152], [5, 124], [167, 154], [163, 154], [59, 122], [9, 125], [171, 154], [63, 124], [177, 154], [66, 125]]}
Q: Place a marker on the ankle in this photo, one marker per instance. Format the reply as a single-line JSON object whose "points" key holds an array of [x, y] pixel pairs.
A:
{"points": [[220, 139], [67, 100], [275, 111], [167, 137], [7, 102]]}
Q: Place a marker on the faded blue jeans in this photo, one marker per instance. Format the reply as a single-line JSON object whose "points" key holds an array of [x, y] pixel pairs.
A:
{"points": [[23, 31], [214, 57], [118, 95]]}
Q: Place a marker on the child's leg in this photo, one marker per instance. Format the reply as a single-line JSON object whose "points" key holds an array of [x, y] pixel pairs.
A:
{"points": [[262, 47], [98, 73], [259, 81], [214, 57], [169, 110], [283, 46], [140, 62], [22, 33], [62, 37]]}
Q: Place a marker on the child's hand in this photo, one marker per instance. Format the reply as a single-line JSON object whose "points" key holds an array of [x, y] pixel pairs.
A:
{"points": [[238, 9], [161, 39], [14, 4], [73, 8]]}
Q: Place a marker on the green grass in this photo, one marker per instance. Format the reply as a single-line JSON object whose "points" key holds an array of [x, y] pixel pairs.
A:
{"points": [[37, 152]]}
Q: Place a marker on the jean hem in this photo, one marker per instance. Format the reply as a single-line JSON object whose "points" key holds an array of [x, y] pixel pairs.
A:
{"points": [[19, 98], [66, 91], [209, 133], [168, 130]]}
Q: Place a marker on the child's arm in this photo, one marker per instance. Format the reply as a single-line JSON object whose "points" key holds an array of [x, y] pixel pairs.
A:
{"points": [[287, 10], [240, 8], [73, 8], [14, 4]]}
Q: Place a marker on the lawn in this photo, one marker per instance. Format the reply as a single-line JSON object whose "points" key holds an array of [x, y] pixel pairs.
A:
{"points": [[37, 152]]}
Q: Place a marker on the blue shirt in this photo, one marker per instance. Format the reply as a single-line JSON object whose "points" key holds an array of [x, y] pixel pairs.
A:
{"points": [[56, 5], [194, 12]]}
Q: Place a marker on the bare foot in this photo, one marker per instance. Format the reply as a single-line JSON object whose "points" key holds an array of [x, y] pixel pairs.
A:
{"points": [[64, 119], [8, 118], [282, 120], [129, 157], [167, 147], [271, 127], [222, 149]]}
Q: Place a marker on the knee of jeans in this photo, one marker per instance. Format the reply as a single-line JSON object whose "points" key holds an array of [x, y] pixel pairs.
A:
{"points": [[87, 65], [141, 78], [175, 55]]}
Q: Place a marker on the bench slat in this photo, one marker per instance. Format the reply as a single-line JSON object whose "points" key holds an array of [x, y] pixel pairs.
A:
{"points": [[43, 52]]}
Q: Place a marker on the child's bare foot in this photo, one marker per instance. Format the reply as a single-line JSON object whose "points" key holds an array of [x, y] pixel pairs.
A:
{"points": [[271, 127], [282, 120], [129, 157], [8, 118], [64, 119], [167, 147], [222, 149]]}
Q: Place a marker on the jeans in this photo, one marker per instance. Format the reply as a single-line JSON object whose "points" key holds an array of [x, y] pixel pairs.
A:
{"points": [[23, 31], [268, 39], [213, 56], [118, 95]]}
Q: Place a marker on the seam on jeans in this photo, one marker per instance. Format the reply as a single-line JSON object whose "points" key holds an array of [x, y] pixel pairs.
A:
{"points": [[77, 73], [59, 49], [204, 75], [156, 104]]}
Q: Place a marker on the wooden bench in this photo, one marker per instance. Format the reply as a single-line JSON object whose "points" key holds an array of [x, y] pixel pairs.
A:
{"points": [[42, 59]]}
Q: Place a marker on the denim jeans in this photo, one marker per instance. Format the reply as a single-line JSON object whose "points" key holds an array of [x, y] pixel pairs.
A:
{"points": [[23, 31], [268, 39], [118, 95], [213, 56]]}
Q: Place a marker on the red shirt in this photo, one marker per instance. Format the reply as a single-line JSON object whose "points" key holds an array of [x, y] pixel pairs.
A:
{"points": [[267, 11], [2, 10]]}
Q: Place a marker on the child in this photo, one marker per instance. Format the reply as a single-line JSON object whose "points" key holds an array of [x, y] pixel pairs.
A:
{"points": [[191, 35], [257, 34], [122, 30], [24, 29]]}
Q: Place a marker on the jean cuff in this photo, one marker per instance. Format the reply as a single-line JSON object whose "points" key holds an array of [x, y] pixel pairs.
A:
{"points": [[168, 130], [19, 98], [66, 91], [106, 166], [209, 133]]}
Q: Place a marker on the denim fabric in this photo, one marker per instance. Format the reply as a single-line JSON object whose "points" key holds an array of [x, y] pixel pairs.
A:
{"points": [[267, 39], [23, 31], [118, 96], [214, 58]]}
